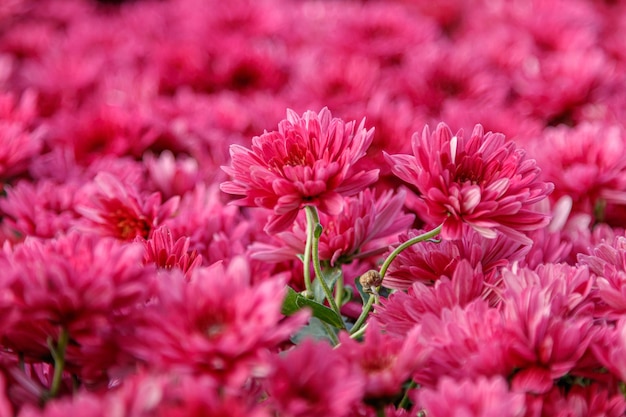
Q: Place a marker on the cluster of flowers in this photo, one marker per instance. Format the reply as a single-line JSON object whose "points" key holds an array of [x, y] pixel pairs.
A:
{"points": [[364, 259]]}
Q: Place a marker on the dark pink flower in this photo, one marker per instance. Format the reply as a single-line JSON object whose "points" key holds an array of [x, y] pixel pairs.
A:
{"points": [[586, 163], [308, 161], [483, 397], [546, 336], [366, 222], [216, 323], [427, 262], [608, 261], [162, 250], [312, 379], [404, 310], [384, 361], [120, 210], [579, 401], [85, 284], [483, 181]]}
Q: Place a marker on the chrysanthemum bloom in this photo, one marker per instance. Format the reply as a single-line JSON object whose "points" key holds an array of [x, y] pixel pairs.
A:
{"points": [[308, 161], [483, 181], [586, 163], [366, 222], [429, 261], [546, 337], [483, 397], [216, 323], [311, 380], [83, 284], [466, 342], [404, 310], [119, 210], [385, 362], [610, 349], [588, 400], [162, 250], [41, 209], [172, 175], [608, 262]]}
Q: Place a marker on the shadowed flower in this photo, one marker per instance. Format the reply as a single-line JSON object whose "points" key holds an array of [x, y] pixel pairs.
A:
{"points": [[483, 181], [119, 210], [167, 254], [216, 323], [385, 362], [366, 221], [429, 261], [313, 380], [484, 397], [309, 160]]}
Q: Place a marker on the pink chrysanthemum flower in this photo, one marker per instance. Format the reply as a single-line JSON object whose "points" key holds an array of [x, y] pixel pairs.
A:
{"points": [[484, 397], [366, 222], [404, 310], [429, 261], [120, 210], [483, 181], [313, 380], [589, 400], [162, 250], [84, 284], [217, 323], [385, 362], [309, 160], [608, 262]]}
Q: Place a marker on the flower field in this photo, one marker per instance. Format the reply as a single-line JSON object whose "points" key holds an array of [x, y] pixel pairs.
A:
{"points": [[297, 208]]}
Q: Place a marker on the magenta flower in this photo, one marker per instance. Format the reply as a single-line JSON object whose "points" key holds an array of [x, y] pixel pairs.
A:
{"points": [[120, 210], [385, 362], [310, 160], [366, 222], [483, 397], [217, 323], [313, 380], [162, 250], [483, 181]]}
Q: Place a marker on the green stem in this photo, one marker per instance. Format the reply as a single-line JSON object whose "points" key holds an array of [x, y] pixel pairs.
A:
{"points": [[58, 355], [405, 400], [331, 334], [383, 270], [364, 313], [408, 243], [307, 257], [380, 411], [339, 291], [313, 224]]}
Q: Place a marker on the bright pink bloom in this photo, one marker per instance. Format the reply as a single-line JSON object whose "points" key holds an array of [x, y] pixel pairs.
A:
{"points": [[403, 310], [546, 338], [41, 209], [483, 397], [586, 163], [582, 401], [426, 262], [172, 175], [385, 362], [312, 379], [85, 284], [610, 350], [216, 323], [608, 262], [366, 222], [483, 181], [167, 254], [308, 161], [120, 210]]}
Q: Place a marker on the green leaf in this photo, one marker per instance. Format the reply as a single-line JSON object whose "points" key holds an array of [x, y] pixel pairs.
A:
{"points": [[330, 276], [315, 329], [295, 302]]}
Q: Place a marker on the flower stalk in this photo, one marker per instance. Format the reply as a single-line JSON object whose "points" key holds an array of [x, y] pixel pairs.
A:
{"points": [[58, 354], [383, 270]]}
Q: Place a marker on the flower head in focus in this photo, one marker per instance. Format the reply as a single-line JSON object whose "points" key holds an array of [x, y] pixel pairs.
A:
{"points": [[309, 160], [483, 181]]}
